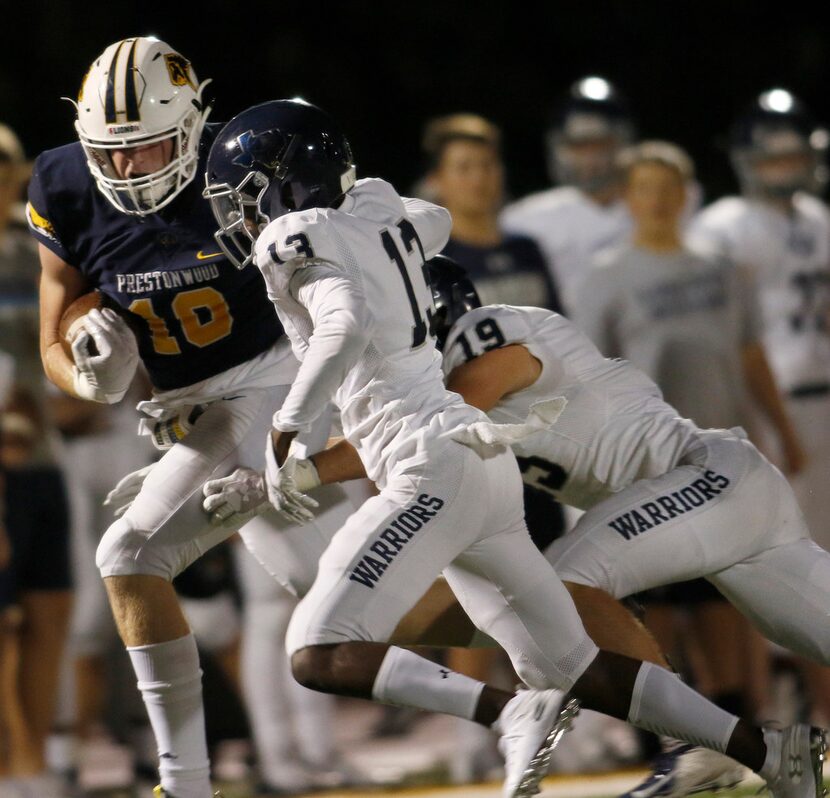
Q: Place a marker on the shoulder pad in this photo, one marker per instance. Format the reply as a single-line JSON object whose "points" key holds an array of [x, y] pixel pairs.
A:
{"points": [[291, 239], [486, 328]]}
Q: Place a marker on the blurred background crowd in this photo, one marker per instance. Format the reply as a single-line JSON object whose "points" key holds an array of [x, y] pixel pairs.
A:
{"points": [[714, 278]]}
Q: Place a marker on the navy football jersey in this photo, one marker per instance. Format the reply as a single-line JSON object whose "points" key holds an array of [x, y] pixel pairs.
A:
{"points": [[195, 314], [512, 272]]}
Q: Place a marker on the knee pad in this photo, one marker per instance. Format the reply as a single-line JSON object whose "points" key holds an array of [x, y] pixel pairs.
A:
{"points": [[123, 551]]}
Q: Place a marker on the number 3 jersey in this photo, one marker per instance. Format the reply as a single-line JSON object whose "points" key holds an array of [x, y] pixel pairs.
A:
{"points": [[615, 427], [789, 255], [195, 315], [350, 288]]}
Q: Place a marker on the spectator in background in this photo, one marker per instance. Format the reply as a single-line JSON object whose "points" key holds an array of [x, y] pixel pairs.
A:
{"points": [[465, 174], [584, 213], [37, 580], [779, 229], [693, 325]]}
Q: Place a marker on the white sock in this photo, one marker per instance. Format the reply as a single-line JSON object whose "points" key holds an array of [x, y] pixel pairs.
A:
{"points": [[170, 681], [408, 680], [661, 703]]}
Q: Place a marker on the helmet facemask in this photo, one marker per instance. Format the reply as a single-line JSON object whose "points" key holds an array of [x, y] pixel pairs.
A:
{"points": [[587, 161], [137, 93], [777, 149], [779, 172], [146, 194], [237, 209]]}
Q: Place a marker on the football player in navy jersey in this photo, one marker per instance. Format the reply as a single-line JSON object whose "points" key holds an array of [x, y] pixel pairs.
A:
{"points": [[120, 212], [467, 176]]}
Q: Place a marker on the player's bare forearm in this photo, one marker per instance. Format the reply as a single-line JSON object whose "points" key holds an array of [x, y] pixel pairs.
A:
{"points": [[482, 382], [60, 285], [340, 463], [58, 367]]}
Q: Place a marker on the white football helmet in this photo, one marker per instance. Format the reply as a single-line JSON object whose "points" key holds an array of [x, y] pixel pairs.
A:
{"points": [[141, 91]]}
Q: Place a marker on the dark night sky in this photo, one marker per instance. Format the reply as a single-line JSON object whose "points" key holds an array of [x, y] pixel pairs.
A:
{"points": [[383, 68]]}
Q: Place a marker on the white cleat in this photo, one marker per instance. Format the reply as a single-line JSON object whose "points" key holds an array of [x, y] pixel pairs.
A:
{"points": [[529, 728], [799, 774]]}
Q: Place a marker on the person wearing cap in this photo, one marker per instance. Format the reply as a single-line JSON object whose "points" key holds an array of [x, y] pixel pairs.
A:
{"points": [[466, 174], [693, 324]]}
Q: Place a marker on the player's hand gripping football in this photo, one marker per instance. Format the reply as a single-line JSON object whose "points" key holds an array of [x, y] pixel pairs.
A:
{"points": [[286, 479], [106, 375]]}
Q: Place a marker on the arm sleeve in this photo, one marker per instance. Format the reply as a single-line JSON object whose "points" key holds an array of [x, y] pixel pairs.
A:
{"points": [[342, 330], [39, 217], [432, 223]]}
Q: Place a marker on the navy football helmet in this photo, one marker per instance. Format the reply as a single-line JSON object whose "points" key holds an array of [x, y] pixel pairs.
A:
{"points": [[452, 293], [272, 159], [763, 140], [593, 112]]}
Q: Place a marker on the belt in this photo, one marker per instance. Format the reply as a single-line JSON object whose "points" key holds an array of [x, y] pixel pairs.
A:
{"points": [[810, 389]]}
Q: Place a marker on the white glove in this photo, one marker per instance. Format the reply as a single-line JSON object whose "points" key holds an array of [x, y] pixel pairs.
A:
{"points": [[124, 493], [105, 376], [286, 483], [482, 435], [234, 500]]}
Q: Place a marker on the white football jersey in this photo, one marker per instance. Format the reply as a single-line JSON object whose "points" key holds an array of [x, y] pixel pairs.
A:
{"points": [[790, 256], [615, 428], [351, 290], [571, 229]]}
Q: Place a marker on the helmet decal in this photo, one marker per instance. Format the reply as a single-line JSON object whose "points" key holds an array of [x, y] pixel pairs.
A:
{"points": [[178, 67]]}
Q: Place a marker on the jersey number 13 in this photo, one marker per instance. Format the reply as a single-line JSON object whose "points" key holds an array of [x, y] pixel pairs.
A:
{"points": [[409, 236]]}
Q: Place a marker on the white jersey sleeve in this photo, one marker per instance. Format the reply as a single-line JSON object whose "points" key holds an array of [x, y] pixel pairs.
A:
{"points": [[343, 327], [614, 429], [489, 327], [432, 222]]}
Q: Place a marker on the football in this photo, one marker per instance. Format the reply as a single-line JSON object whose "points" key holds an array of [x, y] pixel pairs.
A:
{"points": [[70, 323]]}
